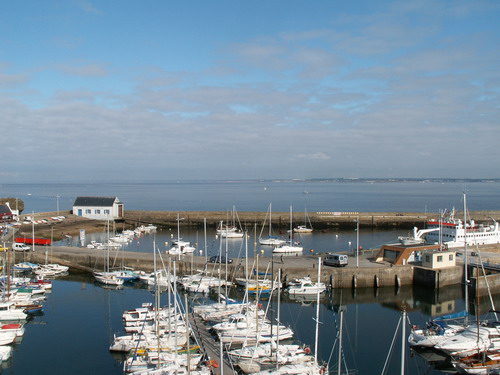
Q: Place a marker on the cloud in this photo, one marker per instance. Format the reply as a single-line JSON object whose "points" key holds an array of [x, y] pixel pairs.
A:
{"points": [[315, 156], [84, 69], [9, 80], [87, 7]]}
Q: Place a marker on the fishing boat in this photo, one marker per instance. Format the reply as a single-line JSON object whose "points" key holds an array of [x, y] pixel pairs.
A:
{"points": [[8, 312]]}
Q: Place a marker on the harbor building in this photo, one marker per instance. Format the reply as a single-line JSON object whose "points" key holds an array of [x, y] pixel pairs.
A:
{"points": [[98, 208]]}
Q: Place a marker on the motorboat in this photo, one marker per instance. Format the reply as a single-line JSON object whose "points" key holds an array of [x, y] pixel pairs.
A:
{"points": [[108, 278], [8, 312], [472, 339], [306, 286]]}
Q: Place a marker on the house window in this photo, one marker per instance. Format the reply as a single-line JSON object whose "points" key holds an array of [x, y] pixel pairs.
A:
{"points": [[451, 257], [87, 211], [440, 258], [106, 212], [97, 212], [427, 258]]}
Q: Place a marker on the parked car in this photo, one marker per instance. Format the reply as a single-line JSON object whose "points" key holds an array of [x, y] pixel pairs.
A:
{"points": [[16, 246], [222, 259], [336, 260]]}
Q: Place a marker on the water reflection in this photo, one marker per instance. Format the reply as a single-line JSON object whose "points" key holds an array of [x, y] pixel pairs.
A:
{"points": [[93, 313]]}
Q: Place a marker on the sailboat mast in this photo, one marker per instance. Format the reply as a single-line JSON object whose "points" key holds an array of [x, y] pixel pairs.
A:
{"points": [[317, 314], [339, 364], [466, 271], [403, 342], [270, 219], [278, 320]]}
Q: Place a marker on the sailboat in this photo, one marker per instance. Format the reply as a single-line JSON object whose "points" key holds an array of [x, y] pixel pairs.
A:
{"points": [[233, 230], [106, 277], [291, 247], [270, 240], [307, 227], [179, 246]]}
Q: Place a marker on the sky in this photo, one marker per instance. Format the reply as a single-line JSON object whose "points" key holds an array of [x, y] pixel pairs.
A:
{"points": [[159, 90]]}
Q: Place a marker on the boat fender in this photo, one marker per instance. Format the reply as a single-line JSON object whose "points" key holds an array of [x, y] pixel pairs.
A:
{"points": [[307, 350], [322, 370], [213, 363]]}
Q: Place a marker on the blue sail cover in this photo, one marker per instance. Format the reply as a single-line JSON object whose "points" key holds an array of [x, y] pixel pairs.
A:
{"points": [[461, 314]]}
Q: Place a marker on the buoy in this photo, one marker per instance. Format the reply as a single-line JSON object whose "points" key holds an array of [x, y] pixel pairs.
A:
{"points": [[262, 251], [311, 251]]}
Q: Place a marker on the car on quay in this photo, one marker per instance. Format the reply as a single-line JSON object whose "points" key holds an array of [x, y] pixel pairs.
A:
{"points": [[16, 246], [220, 259], [336, 260]]}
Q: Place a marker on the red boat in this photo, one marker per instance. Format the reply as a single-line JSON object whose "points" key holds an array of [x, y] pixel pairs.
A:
{"points": [[36, 241]]}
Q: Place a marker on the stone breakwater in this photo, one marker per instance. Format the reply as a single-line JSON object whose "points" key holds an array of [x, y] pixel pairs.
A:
{"points": [[319, 220]]}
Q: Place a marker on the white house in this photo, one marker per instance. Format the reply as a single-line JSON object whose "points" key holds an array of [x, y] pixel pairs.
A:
{"points": [[439, 259], [100, 208]]}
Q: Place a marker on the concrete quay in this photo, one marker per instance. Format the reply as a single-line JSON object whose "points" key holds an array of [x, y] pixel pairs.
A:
{"points": [[363, 273]]}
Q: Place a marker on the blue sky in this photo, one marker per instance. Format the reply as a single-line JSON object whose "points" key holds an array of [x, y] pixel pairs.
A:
{"points": [[123, 90]]}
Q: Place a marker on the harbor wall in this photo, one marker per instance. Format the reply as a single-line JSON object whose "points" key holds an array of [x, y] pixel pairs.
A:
{"points": [[437, 278], [319, 220]]}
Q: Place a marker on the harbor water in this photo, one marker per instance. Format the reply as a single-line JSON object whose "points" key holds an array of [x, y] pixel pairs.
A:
{"points": [[80, 316]]}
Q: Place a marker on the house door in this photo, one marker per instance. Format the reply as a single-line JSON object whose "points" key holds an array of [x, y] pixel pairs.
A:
{"points": [[79, 212]]}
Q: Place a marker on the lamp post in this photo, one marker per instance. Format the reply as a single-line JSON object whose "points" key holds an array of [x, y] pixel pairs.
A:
{"points": [[57, 203], [357, 242]]}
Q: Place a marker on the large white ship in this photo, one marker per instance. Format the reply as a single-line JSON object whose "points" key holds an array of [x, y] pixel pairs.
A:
{"points": [[450, 231]]}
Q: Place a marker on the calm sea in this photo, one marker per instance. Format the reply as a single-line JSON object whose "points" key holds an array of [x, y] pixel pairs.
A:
{"points": [[257, 195]]}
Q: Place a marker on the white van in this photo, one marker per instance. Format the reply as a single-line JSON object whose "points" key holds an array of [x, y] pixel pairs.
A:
{"points": [[20, 247], [336, 260]]}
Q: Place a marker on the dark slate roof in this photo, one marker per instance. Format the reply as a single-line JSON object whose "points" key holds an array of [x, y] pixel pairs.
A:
{"points": [[4, 209], [94, 201]]}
